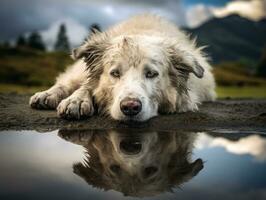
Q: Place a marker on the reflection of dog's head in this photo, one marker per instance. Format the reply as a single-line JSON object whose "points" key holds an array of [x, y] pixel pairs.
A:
{"points": [[142, 164], [136, 76]]}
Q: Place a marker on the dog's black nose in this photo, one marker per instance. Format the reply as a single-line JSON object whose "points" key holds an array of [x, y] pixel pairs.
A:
{"points": [[130, 106]]}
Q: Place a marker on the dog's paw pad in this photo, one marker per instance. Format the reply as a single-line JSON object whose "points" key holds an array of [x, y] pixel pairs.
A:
{"points": [[75, 108], [45, 100]]}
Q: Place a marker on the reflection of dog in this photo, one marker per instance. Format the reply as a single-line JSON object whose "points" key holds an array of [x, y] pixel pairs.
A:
{"points": [[135, 70], [139, 164]]}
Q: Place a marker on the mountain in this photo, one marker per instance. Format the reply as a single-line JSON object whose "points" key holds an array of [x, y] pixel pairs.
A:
{"points": [[231, 38]]}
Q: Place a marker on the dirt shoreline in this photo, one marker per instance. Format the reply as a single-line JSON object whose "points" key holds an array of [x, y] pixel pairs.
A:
{"points": [[226, 115]]}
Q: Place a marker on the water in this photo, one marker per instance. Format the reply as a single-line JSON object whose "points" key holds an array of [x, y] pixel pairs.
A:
{"points": [[86, 164]]}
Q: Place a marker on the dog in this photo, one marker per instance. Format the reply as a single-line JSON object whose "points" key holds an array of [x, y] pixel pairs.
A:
{"points": [[138, 69], [135, 163]]}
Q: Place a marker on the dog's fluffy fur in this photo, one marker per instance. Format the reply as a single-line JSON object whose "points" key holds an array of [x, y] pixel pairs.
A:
{"points": [[133, 162], [145, 57]]}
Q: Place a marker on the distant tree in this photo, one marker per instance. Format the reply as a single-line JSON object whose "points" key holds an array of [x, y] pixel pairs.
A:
{"points": [[21, 41], [261, 70], [95, 28], [35, 41], [6, 44], [62, 43]]}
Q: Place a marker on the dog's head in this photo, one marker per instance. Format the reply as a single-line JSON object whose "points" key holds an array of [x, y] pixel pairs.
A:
{"points": [[139, 164], [135, 77]]}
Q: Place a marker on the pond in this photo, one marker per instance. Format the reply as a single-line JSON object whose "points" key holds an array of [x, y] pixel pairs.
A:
{"points": [[129, 164]]}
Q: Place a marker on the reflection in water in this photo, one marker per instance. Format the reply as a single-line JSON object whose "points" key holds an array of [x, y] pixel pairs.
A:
{"points": [[40, 165], [253, 145], [135, 163]]}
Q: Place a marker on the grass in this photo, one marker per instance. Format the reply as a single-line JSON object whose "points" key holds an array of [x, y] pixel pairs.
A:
{"points": [[230, 75], [241, 92], [20, 89], [222, 91], [32, 68]]}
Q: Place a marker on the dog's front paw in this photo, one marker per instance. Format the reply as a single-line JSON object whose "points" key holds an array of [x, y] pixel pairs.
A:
{"points": [[75, 108], [46, 99]]}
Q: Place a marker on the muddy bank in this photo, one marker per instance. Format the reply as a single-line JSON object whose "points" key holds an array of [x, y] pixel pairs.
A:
{"points": [[241, 115]]}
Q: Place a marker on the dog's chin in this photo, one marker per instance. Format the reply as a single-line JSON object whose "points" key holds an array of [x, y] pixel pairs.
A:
{"points": [[134, 120], [130, 119]]}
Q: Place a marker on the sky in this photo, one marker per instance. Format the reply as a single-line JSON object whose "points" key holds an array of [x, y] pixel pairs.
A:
{"points": [[23, 16]]}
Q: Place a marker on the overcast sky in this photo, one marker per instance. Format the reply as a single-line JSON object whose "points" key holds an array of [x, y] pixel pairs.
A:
{"points": [[23, 16]]}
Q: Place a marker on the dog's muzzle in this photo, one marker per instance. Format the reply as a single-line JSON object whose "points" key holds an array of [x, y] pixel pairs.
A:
{"points": [[130, 106]]}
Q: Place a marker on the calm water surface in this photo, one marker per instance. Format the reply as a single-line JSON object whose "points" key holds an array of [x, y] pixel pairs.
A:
{"points": [[86, 164]]}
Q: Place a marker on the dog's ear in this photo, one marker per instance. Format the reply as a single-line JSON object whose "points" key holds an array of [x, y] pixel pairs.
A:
{"points": [[78, 53], [196, 167], [188, 171], [92, 51], [193, 169], [89, 51], [185, 63]]}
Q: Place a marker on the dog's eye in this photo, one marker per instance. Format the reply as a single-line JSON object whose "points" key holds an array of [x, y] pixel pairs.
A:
{"points": [[115, 168], [115, 73], [151, 74]]}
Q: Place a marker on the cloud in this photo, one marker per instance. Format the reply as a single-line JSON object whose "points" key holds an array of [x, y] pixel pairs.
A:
{"points": [[46, 16], [198, 14], [253, 145], [252, 9], [76, 34], [18, 17], [43, 14]]}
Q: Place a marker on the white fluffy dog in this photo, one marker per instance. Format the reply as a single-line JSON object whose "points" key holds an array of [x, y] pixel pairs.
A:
{"points": [[133, 71]]}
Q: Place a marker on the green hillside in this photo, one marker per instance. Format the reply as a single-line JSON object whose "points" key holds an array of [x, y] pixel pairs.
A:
{"points": [[231, 38], [28, 67]]}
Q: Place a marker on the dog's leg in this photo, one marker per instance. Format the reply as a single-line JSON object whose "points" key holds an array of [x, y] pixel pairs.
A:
{"points": [[50, 98], [65, 85], [77, 106]]}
